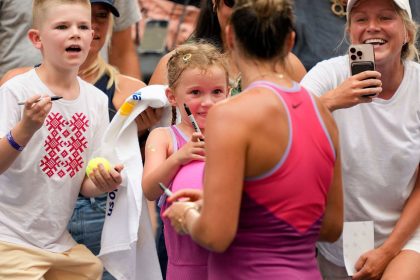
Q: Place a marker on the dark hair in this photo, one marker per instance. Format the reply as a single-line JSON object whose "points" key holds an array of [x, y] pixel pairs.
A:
{"points": [[262, 26], [208, 27]]}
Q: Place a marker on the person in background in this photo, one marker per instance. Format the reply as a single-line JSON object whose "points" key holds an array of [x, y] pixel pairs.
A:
{"points": [[380, 139], [320, 29], [180, 14], [212, 20], [198, 78], [272, 179], [45, 147], [122, 50]]}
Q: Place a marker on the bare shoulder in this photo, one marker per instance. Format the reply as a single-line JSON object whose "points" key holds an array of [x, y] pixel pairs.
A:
{"points": [[13, 73], [129, 84], [159, 137], [295, 67]]}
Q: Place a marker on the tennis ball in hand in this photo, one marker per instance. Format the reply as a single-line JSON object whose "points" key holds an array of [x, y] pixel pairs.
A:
{"points": [[93, 163]]}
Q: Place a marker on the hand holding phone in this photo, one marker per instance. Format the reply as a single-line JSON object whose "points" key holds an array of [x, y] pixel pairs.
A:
{"points": [[362, 58]]}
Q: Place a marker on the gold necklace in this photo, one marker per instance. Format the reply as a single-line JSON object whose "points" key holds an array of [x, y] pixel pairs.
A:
{"points": [[273, 74], [337, 7]]}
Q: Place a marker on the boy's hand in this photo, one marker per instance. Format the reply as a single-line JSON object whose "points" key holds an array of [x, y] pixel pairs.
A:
{"points": [[106, 181], [35, 111], [192, 150]]}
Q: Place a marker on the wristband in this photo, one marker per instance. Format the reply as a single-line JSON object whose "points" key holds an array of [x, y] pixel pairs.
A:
{"points": [[13, 143]]}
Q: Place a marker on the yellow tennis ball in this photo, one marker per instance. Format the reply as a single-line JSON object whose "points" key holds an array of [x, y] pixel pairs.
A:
{"points": [[93, 163]]}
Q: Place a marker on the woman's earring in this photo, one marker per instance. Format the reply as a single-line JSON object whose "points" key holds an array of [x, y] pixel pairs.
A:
{"points": [[214, 7]]}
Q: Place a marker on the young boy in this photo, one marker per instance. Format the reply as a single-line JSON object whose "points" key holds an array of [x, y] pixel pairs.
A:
{"points": [[45, 147]]}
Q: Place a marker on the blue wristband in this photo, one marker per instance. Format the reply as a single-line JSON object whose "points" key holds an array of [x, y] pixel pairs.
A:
{"points": [[13, 143]]}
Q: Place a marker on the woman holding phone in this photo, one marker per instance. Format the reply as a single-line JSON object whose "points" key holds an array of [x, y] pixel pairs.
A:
{"points": [[380, 139]]}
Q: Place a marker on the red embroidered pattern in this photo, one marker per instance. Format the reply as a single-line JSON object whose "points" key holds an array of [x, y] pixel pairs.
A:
{"points": [[65, 144]]}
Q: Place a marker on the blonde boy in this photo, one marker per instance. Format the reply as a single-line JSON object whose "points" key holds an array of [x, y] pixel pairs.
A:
{"points": [[45, 147]]}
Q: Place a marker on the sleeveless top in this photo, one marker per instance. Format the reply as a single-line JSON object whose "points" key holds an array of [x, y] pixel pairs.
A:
{"points": [[281, 211], [101, 84], [186, 259]]}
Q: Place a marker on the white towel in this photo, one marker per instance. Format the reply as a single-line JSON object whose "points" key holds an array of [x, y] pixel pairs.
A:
{"points": [[128, 249]]}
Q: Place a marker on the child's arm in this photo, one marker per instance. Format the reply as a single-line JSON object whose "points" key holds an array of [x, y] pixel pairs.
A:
{"points": [[101, 181], [34, 115], [161, 165]]}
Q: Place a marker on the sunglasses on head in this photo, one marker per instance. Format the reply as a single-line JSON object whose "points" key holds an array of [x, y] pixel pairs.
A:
{"points": [[229, 3]]}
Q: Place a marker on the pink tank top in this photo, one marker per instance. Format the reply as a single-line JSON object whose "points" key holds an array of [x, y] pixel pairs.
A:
{"points": [[281, 211], [186, 259]]}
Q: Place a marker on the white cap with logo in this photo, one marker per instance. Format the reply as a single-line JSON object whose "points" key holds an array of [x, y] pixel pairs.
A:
{"points": [[403, 4]]}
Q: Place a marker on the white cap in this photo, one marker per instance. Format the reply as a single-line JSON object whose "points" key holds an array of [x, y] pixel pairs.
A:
{"points": [[403, 4]]}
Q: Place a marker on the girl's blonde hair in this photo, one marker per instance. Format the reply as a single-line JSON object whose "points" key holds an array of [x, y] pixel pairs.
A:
{"points": [[201, 55]]}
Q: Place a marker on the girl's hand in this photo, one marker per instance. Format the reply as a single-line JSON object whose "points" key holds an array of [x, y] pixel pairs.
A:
{"points": [[106, 181], [354, 90], [35, 112], [192, 150]]}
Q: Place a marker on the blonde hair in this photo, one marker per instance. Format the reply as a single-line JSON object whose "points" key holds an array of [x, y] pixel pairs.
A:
{"points": [[409, 50], [40, 7], [100, 66], [199, 55]]}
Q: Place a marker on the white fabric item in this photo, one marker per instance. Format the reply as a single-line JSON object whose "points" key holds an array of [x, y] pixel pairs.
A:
{"points": [[39, 190], [129, 14], [403, 4], [380, 145], [128, 247]]}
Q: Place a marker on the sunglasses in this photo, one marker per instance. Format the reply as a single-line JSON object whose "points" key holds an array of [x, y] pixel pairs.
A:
{"points": [[229, 3]]}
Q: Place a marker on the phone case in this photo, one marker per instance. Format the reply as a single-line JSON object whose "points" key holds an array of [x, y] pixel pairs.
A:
{"points": [[361, 58]]}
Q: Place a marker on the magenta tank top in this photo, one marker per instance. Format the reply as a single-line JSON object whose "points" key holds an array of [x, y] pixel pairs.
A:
{"points": [[281, 211], [186, 259]]}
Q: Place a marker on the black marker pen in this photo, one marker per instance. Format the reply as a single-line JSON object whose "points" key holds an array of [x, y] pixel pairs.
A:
{"points": [[53, 98], [192, 119]]}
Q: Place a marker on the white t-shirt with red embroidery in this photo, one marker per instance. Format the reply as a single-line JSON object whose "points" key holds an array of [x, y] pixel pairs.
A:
{"points": [[39, 190]]}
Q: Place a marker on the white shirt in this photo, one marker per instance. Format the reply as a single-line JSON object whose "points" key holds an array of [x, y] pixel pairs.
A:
{"points": [[380, 145], [39, 190]]}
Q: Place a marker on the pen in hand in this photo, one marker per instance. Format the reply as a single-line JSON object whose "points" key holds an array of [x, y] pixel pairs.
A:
{"points": [[165, 189], [192, 119], [53, 98]]}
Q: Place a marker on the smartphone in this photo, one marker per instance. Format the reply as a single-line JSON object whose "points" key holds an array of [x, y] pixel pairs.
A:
{"points": [[361, 58], [154, 37]]}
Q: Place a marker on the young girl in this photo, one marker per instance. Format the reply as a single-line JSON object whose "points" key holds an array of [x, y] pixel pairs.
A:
{"points": [[198, 78]]}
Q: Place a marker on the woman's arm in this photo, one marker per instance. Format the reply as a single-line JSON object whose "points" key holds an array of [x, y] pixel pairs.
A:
{"points": [[332, 224], [223, 180], [373, 263]]}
